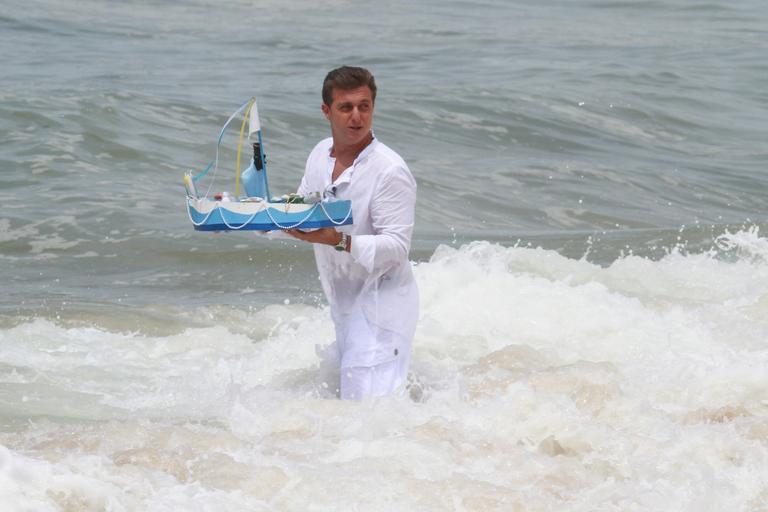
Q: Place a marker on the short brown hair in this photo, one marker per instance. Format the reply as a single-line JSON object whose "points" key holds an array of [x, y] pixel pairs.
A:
{"points": [[346, 78]]}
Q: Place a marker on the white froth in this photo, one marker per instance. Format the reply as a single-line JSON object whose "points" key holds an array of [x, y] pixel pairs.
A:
{"points": [[539, 383]]}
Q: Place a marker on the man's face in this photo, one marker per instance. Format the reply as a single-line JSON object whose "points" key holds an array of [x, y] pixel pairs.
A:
{"points": [[350, 115]]}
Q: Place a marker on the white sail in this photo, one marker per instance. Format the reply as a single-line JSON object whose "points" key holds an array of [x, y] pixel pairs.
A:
{"points": [[254, 126]]}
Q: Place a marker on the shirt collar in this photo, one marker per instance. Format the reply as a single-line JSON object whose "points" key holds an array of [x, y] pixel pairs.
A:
{"points": [[367, 150], [347, 175]]}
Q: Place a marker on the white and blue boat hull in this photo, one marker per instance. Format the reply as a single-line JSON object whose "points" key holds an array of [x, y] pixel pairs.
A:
{"points": [[208, 215]]}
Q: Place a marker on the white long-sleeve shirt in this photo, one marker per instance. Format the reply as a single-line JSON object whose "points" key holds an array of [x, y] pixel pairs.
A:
{"points": [[374, 281]]}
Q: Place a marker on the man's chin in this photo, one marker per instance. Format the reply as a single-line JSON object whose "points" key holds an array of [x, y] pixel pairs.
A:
{"points": [[353, 137]]}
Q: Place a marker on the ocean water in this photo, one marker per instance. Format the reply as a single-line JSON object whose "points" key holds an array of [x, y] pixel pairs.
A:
{"points": [[590, 247]]}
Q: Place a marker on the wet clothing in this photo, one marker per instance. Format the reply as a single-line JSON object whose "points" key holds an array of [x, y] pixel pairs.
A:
{"points": [[371, 289]]}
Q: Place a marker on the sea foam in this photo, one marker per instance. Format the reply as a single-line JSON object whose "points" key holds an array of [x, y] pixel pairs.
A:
{"points": [[538, 382]]}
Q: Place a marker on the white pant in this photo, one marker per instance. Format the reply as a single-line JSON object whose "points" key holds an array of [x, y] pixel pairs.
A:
{"points": [[359, 382], [361, 375]]}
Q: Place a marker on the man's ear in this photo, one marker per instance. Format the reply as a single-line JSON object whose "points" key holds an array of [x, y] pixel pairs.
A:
{"points": [[326, 110]]}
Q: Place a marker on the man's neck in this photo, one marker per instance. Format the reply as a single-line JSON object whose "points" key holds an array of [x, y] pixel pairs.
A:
{"points": [[347, 154]]}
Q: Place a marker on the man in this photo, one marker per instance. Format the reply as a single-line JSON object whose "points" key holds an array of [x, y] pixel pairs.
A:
{"points": [[364, 268]]}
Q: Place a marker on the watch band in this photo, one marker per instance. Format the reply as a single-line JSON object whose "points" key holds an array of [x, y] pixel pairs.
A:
{"points": [[342, 245]]}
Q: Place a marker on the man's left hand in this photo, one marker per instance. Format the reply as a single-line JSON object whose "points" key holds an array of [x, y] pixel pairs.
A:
{"points": [[328, 236]]}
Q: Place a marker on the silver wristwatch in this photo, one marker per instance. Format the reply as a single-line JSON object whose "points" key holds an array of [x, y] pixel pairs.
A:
{"points": [[342, 245]]}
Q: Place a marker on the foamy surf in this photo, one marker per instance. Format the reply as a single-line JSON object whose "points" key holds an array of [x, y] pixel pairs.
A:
{"points": [[538, 382]]}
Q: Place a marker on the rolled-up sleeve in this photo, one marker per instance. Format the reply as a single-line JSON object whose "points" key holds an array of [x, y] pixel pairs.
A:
{"points": [[392, 213]]}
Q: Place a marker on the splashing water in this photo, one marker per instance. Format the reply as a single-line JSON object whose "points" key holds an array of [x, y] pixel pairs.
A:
{"points": [[538, 382]]}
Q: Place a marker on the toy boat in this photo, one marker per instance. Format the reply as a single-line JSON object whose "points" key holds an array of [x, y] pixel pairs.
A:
{"points": [[255, 209]]}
